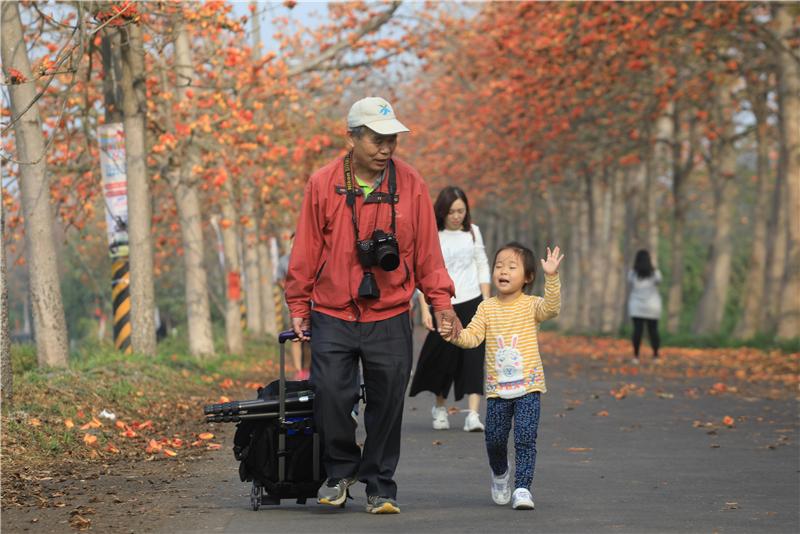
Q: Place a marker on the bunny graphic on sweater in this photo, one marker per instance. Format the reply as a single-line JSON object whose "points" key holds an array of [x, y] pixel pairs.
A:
{"points": [[508, 365]]}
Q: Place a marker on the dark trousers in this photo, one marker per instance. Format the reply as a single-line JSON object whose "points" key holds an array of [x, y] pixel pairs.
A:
{"points": [[652, 332], [384, 349]]}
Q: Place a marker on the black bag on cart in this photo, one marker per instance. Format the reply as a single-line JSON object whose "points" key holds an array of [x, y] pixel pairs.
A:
{"points": [[276, 443]]}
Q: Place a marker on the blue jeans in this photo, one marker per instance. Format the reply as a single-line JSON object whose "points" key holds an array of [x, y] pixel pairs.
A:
{"points": [[524, 412]]}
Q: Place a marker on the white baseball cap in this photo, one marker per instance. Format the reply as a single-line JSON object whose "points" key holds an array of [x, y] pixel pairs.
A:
{"points": [[376, 114]]}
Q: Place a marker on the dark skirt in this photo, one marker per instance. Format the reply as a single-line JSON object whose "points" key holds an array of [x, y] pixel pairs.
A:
{"points": [[442, 364]]}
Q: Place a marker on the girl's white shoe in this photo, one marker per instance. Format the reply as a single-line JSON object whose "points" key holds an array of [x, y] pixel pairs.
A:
{"points": [[501, 492], [522, 499]]}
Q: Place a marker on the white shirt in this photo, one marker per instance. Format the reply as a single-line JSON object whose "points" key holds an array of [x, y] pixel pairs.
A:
{"points": [[466, 262]]}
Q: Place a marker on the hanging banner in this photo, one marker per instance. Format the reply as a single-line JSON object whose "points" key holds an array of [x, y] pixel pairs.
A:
{"points": [[111, 138]]}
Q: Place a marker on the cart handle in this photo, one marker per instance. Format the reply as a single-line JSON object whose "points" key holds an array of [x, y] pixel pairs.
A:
{"points": [[290, 335]]}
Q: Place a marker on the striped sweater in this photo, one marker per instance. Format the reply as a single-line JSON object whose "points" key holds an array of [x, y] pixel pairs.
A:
{"points": [[513, 364]]}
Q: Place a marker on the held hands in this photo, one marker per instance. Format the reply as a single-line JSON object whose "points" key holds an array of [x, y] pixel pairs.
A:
{"points": [[449, 324], [554, 257]]}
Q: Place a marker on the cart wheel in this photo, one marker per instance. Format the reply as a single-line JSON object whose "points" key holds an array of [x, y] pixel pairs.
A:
{"points": [[255, 497]]}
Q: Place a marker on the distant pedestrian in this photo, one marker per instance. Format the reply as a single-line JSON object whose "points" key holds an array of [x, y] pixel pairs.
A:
{"points": [[515, 381], [644, 303], [442, 364]]}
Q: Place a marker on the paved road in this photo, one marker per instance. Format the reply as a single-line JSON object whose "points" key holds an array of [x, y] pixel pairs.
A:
{"points": [[645, 467]]}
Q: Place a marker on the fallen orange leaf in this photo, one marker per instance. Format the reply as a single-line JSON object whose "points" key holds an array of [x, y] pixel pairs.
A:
{"points": [[89, 439], [579, 449], [120, 425], [214, 446], [170, 453], [128, 434], [602, 413], [68, 423], [225, 384], [34, 422], [112, 449], [223, 398], [728, 421], [206, 435]]}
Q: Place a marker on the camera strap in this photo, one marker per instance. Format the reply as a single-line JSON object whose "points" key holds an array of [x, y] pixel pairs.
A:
{"points": [[350, 190]]}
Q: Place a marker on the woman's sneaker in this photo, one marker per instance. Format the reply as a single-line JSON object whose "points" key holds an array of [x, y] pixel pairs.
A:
{"points": [[473, 423], [501, 493], [440, 421], [522, 500]]}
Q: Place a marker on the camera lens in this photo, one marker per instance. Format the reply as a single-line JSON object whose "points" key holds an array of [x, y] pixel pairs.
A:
{"points": [[387, 256]]}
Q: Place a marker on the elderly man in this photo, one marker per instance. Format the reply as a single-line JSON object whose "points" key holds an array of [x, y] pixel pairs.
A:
{"points": [[366, 237]]}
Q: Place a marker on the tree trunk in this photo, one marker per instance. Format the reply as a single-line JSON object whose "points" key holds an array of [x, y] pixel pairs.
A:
{"points": [[267, 284], [776, 255], [750, 321], [722, 169], [598, 200], [568, 318], [6, 375], [48, 310], [143, 331], [614, 291], [252, 290], [680, 173], [230, 238], [584, 258], [198, 312], [789, 88]]}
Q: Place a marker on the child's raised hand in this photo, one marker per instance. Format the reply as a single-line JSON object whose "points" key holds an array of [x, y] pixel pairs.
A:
{"points": [[554, 257]]}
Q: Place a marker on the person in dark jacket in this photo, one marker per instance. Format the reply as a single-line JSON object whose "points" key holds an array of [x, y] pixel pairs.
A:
{"points": [[366, 238]]}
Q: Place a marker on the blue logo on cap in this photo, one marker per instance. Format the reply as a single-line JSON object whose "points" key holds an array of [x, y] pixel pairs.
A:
{"points": [[384, 109]]}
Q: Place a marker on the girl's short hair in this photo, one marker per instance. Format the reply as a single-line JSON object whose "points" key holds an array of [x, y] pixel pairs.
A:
{"points": [[642, 265], [528, 260], [441, 207]]}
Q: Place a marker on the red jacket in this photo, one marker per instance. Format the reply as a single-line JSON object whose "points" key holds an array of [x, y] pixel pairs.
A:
{"points": [[325, 270]]}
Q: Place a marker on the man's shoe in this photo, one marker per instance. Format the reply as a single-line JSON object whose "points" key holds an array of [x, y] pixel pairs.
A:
{"points": [[473, 423], [440, 421], [382, 505], [522, 499], [335, 490], [501, 492]]}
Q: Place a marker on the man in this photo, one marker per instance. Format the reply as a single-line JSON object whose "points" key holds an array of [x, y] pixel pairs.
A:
{"points": [[366, 237]]}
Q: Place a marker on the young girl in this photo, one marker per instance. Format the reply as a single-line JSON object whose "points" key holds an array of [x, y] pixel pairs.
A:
{"points": [[514, 376]]}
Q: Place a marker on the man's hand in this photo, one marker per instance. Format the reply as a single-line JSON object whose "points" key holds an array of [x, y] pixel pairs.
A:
{"points": [[300, 325], [448, 317]]}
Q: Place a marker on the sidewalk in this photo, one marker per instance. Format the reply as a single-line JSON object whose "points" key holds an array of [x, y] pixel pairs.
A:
{"points": [[652, 464]]}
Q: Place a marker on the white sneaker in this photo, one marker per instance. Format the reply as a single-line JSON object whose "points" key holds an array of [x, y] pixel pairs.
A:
{"points": [[522, 499], [473, 423], [501, 493], [440, 421]]}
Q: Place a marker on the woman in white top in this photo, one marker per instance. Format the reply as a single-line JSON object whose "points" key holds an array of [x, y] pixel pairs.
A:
{"points": [[644, 303], [440, 363]]}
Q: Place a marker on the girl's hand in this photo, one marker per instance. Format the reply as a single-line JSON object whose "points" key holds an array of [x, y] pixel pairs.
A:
{"points": [[554, 257]]}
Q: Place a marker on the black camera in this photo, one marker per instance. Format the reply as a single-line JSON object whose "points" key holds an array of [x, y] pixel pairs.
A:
{"points": [[381, 249]]}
